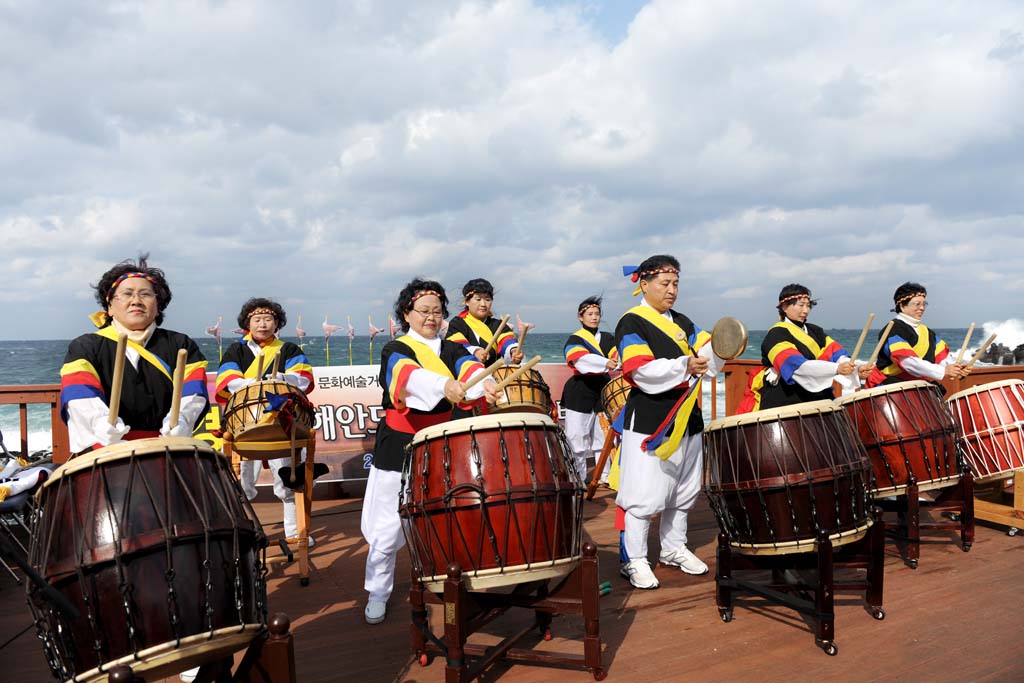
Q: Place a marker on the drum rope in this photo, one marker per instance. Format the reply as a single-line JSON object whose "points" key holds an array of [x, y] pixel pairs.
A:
{"points": [[122, 578], [79, 536]]}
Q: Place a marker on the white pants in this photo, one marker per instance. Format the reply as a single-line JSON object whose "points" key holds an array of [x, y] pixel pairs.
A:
{"points": [[382, 529], [249, 472], [649, 485], [586, 437]]}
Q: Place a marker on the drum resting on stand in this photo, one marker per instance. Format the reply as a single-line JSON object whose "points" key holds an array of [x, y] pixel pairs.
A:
{"points": [[493, 515], [789, 488], [153, 542]]}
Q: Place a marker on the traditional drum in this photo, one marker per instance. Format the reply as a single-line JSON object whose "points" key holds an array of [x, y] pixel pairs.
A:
{"points": [[990, 427], [497, 494], [908, 433], [613, 397], [529, 393], [777, 479], [155, 544], [258, 429]]}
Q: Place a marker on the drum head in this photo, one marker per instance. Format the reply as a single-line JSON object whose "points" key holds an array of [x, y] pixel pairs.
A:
{"points": [[773, 414], [984, 387], [127, 449], [493, 421], [729, 338], [865, 394]]}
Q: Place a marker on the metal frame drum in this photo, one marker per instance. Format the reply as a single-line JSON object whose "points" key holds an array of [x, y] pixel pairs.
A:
{"points": [[779, 479], [908, 434], [496, 494], [257, 435], [990, 428], [154, 543]]}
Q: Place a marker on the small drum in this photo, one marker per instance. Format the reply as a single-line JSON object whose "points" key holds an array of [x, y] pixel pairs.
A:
{"points": [[256, 429], [990, 427], [908, 434], [527, 394], [777, 479], [499, 495], [155, 544], [613, 397]]}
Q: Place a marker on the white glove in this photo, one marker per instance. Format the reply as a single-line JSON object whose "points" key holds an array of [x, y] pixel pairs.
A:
{"points": [[180, 429], [240, 383], [107, 433]]}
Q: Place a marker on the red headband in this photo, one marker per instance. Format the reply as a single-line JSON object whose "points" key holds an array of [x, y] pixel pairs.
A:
{"points": [[110, 292]]}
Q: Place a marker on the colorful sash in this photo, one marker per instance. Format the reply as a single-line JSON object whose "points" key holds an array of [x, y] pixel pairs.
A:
{"points": [[269, 352], [426, 357], [480, 328], [110, 333]]}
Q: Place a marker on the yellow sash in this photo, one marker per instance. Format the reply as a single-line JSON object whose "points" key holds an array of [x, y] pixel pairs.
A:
{"points": [[426, 357], [584, 334], [268, 352], [479, 328], [801, 336], [668, 327], [110, 333], [923, 337]]}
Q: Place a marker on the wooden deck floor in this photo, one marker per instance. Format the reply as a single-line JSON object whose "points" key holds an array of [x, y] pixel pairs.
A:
{"points": [[958, 617]]}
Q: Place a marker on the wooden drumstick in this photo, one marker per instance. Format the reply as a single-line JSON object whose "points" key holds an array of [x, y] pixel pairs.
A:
{"points": [[863, 336], [520, 371], [488, 371], [497, 333], [277, 364], [259, 366], [881, 343], [522, 337], [967, 340], [179, 380], [115, 387], [981, 351]]}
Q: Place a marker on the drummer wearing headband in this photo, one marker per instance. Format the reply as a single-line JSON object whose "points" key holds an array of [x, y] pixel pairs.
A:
{"points": [[800, 361], [911, 350], [474, 326], [423, 377], [592, 355], [663, 354], [133, 296], [261, 319]]}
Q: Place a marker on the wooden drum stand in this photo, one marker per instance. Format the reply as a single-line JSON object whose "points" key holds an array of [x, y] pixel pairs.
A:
{"points": [[466, 612]]}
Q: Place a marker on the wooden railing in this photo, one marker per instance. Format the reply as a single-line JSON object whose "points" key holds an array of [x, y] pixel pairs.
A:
{"points": [[23, 395]]}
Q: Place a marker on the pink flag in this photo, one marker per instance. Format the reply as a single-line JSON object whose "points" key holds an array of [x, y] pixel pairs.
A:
{"points": [[214, 330], [239, 331], [444, 327], [374, 331], [351, 331], [392, 327], [299, 332], [521, 326], [328, 328]]}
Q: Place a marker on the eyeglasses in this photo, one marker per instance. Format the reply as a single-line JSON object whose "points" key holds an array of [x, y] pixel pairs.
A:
{"points": [[917, 304], [144, 295], [429, 314]]}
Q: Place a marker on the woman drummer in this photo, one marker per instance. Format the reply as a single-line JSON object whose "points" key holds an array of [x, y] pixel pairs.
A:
{"points": [[912, 351], [423, 377], [261, 319], [800, 362], [474, 326], [592, 355], [134, 296]]}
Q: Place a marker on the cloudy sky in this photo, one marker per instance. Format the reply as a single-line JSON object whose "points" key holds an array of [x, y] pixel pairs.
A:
{"points": [[323, 153]]}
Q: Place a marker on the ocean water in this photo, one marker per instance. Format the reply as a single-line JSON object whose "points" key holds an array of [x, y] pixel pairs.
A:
{"points": [[39, 362]]}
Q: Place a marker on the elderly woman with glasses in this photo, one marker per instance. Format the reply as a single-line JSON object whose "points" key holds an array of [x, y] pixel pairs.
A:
{"points": [[800, 362], [911, 350], [133, 296], [423, 378]]}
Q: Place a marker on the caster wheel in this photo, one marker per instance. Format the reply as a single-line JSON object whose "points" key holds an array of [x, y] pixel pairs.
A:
{"points": [[424, 659], [726, 615], [304, 581], [600, 674], [878, 614], [966, 547], [955, 516], [547, 634], [830, 648], [1012, 531], [912, 564]]}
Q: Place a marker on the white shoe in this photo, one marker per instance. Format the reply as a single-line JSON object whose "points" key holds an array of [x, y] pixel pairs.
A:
{"points": [[685, 560], [294, 541], [189, 675], [375, 611], [640, 575]]}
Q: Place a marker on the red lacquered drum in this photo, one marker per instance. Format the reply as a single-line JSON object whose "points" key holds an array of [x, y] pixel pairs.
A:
{"points": [[613, 397], [257, 430], [776, 479], [155, 544], [529, 393], [498, 495], [990, 427], [908, 433]]}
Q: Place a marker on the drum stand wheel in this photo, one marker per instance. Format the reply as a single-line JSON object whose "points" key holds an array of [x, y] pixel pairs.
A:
{"points": [[466, 612], [1000, 506], [815, 596], [955, 501], [269, 657]]}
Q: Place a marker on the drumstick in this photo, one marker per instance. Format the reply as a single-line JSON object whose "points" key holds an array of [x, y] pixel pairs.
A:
{"points": [[522, 337], [488, 371], [277, 364], [115, 387], [863, 335], [881, 343], [981, 350], [967, 340], [494, 339], [259, 366], [520, 371], [179, 380]]}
